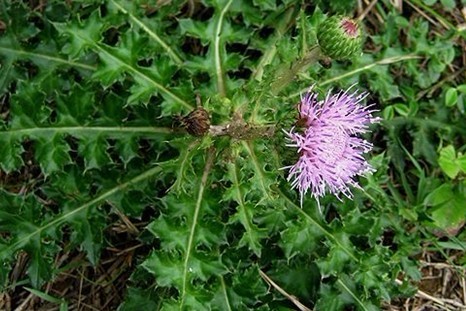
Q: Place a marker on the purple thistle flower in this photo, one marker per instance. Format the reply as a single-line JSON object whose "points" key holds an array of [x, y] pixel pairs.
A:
{"points": [[331, 153]]}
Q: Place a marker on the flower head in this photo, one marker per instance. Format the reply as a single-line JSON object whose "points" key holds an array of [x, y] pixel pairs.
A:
{"points": [[331, 153]]}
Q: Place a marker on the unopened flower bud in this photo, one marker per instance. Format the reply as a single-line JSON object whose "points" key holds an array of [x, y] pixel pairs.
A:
{"points": [[339, 37]]}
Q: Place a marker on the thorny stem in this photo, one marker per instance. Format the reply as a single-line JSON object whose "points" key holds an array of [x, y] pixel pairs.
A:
{"points": [[240, 129], [287, 76]]}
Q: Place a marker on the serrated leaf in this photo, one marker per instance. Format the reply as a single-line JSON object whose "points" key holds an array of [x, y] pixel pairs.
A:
{"points": [[299, 238], [81, 34], [169, 271], [76, 107], [124, 55], [28, 107], [241, 290], [39, 270], [87, 227], [190, 234], [334, 262], [21, 216], [172, 237], [94, 151], [244, 214], [116, 61], [261, 179], [52, 154], [127, 148], [216, 33], [183, 165], [303, 282], [10, 152], [153, 27], [139, 299]]}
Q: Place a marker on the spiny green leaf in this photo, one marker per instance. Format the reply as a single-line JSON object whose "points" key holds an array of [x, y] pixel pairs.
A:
{"points": [[244, 214], [94, 151], [169, 270], [183, 164], [28, 107], [127, 148], [81, 34], [29, 229], [21, 217], [52, 154], [216, 33], [241, 289], [10, 152], [87, 225], [86, 35], [299, 238], [172, 236], [151, 26], [293, 277], [261, 178], [75, 108], [39, 271], [139, 299]]}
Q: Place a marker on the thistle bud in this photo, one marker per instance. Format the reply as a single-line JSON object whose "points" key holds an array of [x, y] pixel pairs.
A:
{"points": [[197, 122], [339, 37]]}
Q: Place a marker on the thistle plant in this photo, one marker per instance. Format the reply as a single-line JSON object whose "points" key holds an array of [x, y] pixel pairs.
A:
{"points": [[104, 186]]}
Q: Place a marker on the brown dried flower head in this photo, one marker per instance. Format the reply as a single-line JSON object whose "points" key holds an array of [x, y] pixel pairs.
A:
{"points": [[197, 122]]}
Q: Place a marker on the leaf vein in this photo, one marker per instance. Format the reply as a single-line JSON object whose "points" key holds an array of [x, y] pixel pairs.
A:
{"points": [[152, 34], [218, 61], [47, 57], [200, 195]]}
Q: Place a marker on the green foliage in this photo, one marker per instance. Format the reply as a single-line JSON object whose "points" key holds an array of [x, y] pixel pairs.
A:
{"points": [[451, 163], [448, 205], [90, 92]]}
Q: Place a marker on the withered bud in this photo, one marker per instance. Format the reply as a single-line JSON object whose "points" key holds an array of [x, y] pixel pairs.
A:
{"points": [[197, 122], [326, 62]]}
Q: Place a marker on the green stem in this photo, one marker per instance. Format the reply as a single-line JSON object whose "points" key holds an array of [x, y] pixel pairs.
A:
{"points": [[286, 77], [385, 61], [284, 22]]}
